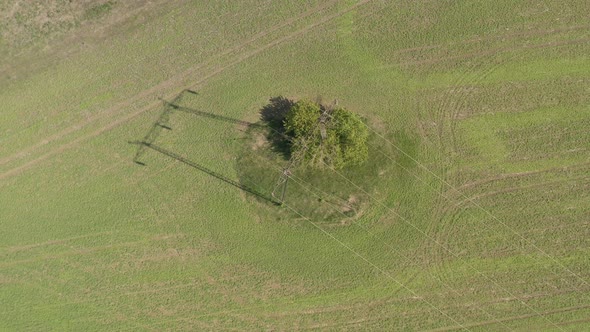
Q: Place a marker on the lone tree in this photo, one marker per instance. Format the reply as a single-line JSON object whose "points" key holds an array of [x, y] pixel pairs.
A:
{"points": [[326, 137]]}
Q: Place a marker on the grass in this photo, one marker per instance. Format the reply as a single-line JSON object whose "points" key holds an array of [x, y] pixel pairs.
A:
{"points": [[479, 220], [97, 11], [321, 195]]}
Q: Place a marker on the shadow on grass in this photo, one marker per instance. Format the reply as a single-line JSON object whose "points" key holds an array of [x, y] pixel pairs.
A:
{"points": [[207, 171], [162, 123], [211, 115], [273, 115], [156, 129]]}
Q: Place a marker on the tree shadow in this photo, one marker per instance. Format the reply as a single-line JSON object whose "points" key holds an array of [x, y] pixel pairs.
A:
{"points": [[273, 115], [275, 112]]}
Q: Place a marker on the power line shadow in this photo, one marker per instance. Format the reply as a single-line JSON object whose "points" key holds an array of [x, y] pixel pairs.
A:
{"points": [[193, 111], [272, 120], [163, 123], [207, 171]]}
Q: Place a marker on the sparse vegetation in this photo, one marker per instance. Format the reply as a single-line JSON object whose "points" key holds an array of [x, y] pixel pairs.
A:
{"points": [[98, 10]]}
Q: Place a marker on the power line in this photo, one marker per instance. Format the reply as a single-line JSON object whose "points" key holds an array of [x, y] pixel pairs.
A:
{"points": [[444, 247], [389, 246], [374, 266], [299, 155], [479, 206], [463, 79], [449, 199], [287, 174]]}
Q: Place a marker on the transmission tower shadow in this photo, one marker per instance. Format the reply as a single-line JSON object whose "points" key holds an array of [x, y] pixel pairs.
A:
{"points": [[162, 123], [207, 171], [212, 115], [155, 130]]}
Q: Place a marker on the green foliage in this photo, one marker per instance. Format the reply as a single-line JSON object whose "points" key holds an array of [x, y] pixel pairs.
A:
{"points": [[327, 138], [302, 118], [335, 202]]}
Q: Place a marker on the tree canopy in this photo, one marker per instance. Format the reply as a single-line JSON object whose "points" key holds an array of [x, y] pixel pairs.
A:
{"points": [[326, 137]]}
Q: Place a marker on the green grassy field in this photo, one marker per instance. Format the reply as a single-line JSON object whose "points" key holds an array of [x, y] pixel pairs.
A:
{"points": [[475, 218]]}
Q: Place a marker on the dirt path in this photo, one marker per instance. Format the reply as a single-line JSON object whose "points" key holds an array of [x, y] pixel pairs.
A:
{"points": [[497, 37], [493, 51], [175, 81], [170, 82]]}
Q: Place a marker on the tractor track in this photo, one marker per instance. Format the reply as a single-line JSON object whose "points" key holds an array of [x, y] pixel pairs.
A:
{"points": [[145, 93], [174, 81]]}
